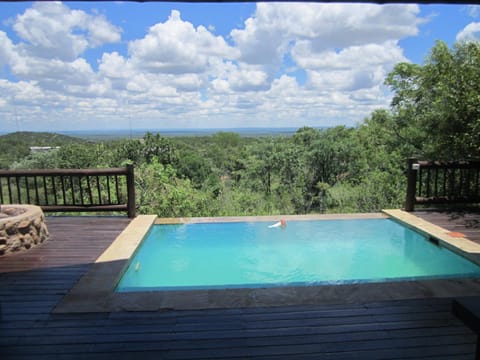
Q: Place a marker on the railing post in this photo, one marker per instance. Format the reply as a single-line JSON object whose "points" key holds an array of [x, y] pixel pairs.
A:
{"points": [[412, 169], [130, 191]]}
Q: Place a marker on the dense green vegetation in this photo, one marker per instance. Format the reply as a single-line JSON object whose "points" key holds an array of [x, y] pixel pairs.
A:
{"points": [[436, 106], [16, 146], [435, 114]]}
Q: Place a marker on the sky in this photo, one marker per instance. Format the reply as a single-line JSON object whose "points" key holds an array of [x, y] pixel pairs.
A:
{"points": [[127, 65]]}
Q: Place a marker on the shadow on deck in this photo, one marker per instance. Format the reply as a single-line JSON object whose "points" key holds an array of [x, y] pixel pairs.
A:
{"points": [[31, 284], [466, 222]]}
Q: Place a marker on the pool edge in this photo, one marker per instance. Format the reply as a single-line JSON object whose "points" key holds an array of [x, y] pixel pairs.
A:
{"points": [[271, 218], [95, 290], [462, 246]]}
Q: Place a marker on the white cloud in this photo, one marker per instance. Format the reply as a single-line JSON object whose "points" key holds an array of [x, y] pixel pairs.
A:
{"points": [[177, 47], [471, 32], [187, 82], [270, 32], [52, 30], [55, 74], [345, 50], [220, 86], [352, 68], [138, 83], [46, 28], [52, 38], [359, 24], [243, 78], [113, 65], [298, 63], [7, 50], [258, 43], [368, 55], [100, 31]]}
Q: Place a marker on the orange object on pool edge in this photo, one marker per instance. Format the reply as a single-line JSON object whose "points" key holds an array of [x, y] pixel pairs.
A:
{"points": [[456, 234]]}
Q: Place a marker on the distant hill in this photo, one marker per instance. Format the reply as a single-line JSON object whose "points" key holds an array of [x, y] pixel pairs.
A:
{"points": [[15, 146]]}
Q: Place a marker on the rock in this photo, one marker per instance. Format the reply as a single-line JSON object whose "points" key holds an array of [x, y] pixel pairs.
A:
{"points": [[34, 231], [24, 227], [37, 222], [11, 228], [16, 245], [3, 240], [12, 211], [44, 232], [3, 248], [27, 239]]}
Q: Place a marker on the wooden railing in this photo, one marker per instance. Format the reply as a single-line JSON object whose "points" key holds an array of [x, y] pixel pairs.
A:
{"points": [[434, 182], [71, 190]]}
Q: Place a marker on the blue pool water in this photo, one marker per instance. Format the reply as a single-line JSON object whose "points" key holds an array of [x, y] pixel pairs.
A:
{"points": [[223, 255]]}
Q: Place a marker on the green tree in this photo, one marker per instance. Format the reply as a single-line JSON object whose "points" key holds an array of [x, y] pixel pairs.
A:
{"points": [[129, 151], [15, 146], [83, 156], [159, 191], [158, 147], [194, 166], [380, 164], [40, 160], [145, 150], [436, 106], [259, 164], [326, 157], [224, 149]]}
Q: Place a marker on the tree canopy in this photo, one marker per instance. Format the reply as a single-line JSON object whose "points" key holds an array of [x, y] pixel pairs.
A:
{"points": [[436, 106]]}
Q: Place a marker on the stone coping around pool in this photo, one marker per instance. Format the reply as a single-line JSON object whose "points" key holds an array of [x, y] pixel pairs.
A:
{"points": [[127, 242], [95, 291], [269, 218], [462, 245], [98, 284]]}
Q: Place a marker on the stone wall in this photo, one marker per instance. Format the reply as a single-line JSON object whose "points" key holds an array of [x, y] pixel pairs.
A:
{"points": [[23, 231]]}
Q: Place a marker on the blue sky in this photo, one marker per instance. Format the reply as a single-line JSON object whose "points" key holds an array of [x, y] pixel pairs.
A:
{"points": [[120, 65]]}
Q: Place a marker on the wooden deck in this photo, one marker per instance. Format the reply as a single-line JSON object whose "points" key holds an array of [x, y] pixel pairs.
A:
{"points": [[31, 284], [466, 222]]}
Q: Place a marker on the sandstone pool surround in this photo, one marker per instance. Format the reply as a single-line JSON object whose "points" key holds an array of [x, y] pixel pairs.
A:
{"points": [[95, 292]]}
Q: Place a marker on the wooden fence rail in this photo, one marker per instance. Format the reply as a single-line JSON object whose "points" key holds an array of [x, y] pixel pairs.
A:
{"points": [[71, 190], [434, 182]]}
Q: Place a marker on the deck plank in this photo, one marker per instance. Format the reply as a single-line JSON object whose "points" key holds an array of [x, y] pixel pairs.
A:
{"points": [[467, 223], [31, 284]]}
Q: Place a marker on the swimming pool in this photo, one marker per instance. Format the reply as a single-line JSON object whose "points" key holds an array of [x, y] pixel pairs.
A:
{"points": [[251, 254]]}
